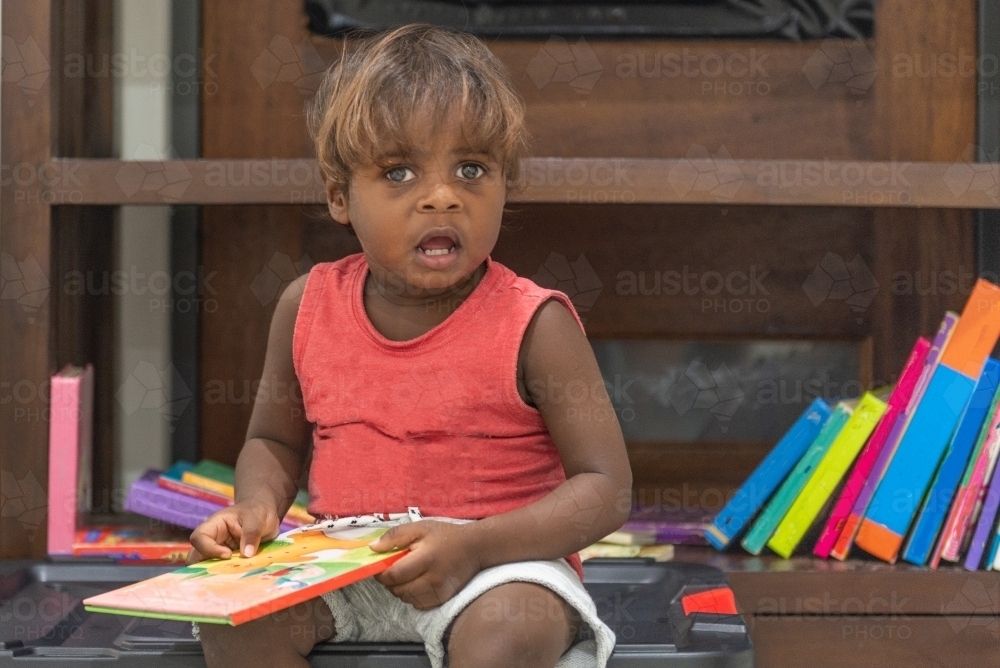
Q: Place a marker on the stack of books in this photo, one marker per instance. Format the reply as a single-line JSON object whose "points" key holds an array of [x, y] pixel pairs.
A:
{"points": [[186, 494], [907, 472]]}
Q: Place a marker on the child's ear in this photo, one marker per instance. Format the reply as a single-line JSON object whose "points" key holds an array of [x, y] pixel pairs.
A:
{"points": [[336, 202]]}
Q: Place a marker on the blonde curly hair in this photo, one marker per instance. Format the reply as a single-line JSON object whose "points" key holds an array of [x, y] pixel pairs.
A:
{"points": [[367, 98]]}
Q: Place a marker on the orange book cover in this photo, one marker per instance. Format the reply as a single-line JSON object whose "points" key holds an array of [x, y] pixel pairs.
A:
{"points": [[977, 331]]}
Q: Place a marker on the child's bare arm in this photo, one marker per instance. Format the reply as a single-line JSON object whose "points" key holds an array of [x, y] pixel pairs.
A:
{"points": [[270, 462], [563, 380], [562, 377]]}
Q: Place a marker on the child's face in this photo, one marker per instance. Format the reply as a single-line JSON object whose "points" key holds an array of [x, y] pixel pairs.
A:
{"points": [[425, 221]]}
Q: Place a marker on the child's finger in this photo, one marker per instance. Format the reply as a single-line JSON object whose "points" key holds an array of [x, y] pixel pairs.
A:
{"points": [[250, 533], [206, 539], [407, 569], [397, 537]]}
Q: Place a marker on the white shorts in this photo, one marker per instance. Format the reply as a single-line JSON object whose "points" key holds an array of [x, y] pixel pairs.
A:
{"points": [[368, 612]]}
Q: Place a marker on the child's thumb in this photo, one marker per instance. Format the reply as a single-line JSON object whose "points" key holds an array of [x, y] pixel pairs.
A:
{"points": [[396, 537]]}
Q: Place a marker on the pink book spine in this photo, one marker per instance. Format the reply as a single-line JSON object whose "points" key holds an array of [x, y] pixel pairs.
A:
{"points": [[963, 512], [898, 400], [64, 460], [846, 540]]}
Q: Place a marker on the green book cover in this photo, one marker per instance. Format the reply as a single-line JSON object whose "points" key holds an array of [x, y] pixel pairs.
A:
{"points": [[827, 476], [782, 500]]}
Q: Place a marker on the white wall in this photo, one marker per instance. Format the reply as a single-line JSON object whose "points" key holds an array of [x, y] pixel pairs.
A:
{"points": [[142, 127]]}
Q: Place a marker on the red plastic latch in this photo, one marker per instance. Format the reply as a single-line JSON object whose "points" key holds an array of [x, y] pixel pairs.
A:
{"points": [[716, 601]]}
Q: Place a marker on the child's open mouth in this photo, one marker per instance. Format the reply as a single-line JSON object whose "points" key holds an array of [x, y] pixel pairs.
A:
{"points": [[437, 252]]}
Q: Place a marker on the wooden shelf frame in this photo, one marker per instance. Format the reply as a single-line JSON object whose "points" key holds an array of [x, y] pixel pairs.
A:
{"points": [[842, 183]]}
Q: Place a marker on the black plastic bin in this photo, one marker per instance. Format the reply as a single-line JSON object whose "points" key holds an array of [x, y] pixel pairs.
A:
{"points": [[43, 623]]}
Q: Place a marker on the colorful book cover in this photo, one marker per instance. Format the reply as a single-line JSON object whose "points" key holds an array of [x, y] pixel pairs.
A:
{"points": [[145, 497], [220, 479], [984, 528], [846, 539], [285, 571], [896, 404], [827, 476], [783, 499], [961, 514], [754, 493], [70, 454], [133, 544], [938, 500], [905, 482]]}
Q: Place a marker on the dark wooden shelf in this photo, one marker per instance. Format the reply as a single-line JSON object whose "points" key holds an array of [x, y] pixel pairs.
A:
{"points": [[837, 183]]}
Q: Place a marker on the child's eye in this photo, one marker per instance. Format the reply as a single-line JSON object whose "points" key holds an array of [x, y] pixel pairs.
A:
{"points": [[468, 170], [398, 174]]}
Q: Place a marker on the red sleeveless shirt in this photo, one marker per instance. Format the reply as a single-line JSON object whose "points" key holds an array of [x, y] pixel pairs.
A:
{"points": [[436, 421]]}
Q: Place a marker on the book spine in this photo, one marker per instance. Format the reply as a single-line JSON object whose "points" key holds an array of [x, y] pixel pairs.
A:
{"points": [[827, 476], [898, 400], [855, 482], [64, 453], [846, 539], [752, 495], [985, 526], [783, 499], [197, 480], [905, 482], [969, 495], [942, 492], [191, 490]]}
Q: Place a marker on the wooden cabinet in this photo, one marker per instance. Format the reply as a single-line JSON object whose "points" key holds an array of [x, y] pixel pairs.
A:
{"points": [[778, 165]]}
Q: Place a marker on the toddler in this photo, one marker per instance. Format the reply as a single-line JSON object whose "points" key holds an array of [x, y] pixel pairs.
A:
{"points": [[431, 376]]}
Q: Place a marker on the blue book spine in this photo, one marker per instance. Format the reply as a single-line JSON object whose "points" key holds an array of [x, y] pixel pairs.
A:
{"points": [[902, 488], [938, 500], [754, 493]]}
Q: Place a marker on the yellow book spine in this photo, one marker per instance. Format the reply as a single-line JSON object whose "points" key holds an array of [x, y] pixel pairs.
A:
{"points": [[827, 475], [208, 483]]}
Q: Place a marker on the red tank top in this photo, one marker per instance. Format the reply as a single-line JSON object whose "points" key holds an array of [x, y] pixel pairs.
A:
{"points": [[436, 421]]}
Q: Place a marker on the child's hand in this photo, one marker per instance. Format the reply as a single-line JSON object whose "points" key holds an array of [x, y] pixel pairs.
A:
{"points": [[240, 526], [442, 559]]}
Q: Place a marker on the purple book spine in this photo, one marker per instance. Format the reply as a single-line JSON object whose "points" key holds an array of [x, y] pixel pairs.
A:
{"points": [[147, 498], [985, 527]]}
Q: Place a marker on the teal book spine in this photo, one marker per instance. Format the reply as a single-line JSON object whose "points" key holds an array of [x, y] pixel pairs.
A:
{"points": [[783, 499]]}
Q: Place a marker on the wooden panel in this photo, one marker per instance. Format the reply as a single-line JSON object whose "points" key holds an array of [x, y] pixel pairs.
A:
{"points": [[83, 98], [83, 238], [928, 112], [691, 270], [546, 180], [27, 355], [660, 98], [859, 642], [247, 116]]}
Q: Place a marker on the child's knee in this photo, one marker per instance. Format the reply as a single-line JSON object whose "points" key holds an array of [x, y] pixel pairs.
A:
{"points": [[513, 625]]}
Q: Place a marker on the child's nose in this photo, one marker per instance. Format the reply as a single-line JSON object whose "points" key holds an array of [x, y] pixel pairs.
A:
{"points": [[440, 197]]}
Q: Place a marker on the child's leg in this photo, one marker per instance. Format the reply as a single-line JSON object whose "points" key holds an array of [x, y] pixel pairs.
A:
{"points": [[280, 640], [514, 624]]}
